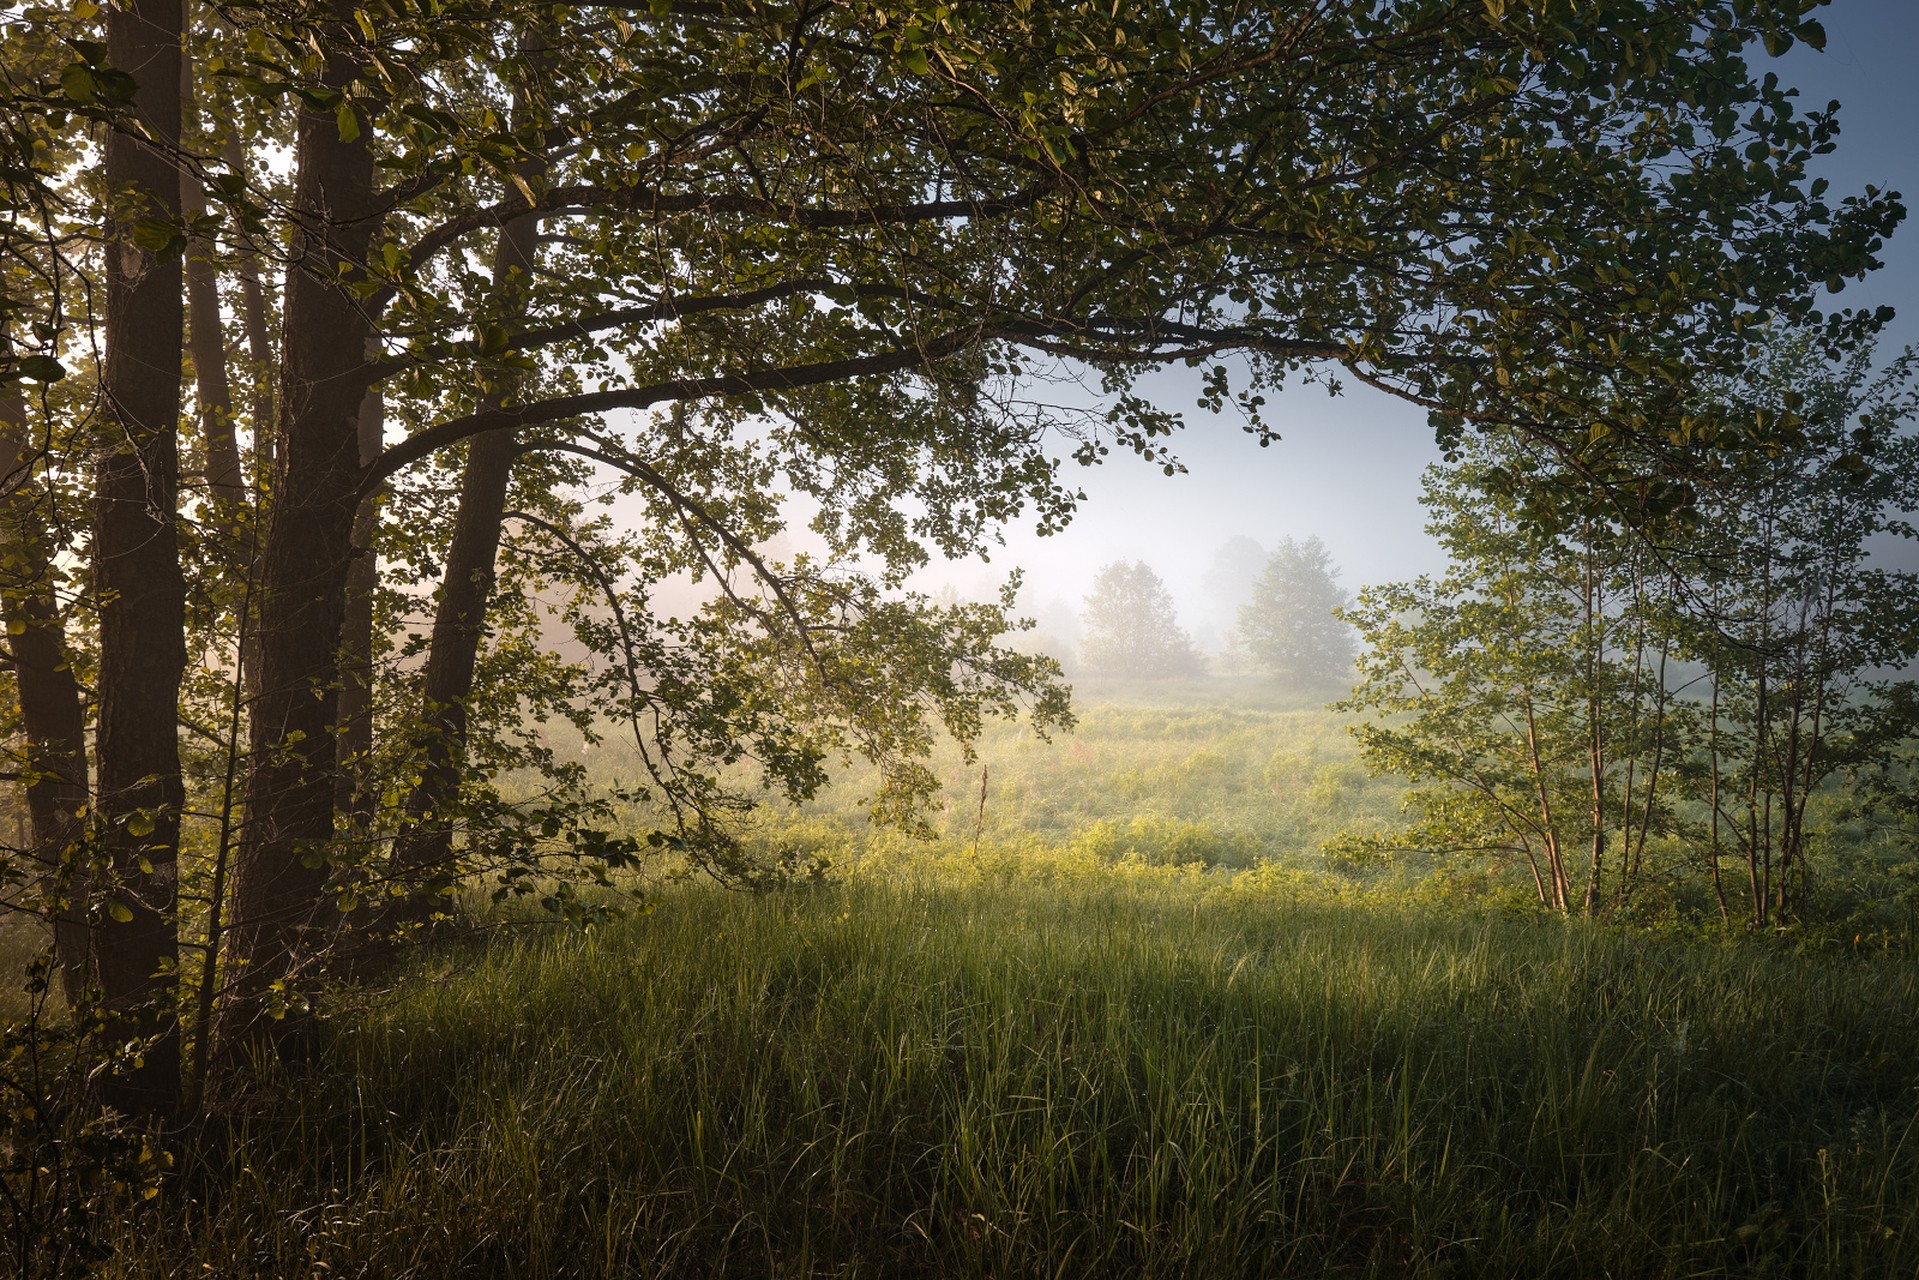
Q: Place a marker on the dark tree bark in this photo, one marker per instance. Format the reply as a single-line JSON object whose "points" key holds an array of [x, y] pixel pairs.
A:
{"points": [[259, 338], [52, 710], [137, 577], [280, 914], [356, 640], [425, 848], [206, 338]]}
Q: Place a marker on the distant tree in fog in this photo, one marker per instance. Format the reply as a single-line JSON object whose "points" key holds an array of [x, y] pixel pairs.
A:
{"points": [[1288, 628], [1228, 583], [1132, 628]]}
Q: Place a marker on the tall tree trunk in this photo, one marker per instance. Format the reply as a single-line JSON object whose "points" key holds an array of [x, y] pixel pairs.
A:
{"points": [[1555, 859], [137, 576], [356, 639], [1556, 897], [260, 378], [259, 337], [280, 915], [1661, 700], [425, 847], [1758, 851], [1712, 757], [1595, 727], [1634, 728], [424, 851], [1758, 791], [206, 339], [52, 709]]}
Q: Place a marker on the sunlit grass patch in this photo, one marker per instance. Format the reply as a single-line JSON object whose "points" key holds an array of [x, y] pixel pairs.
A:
{"points": [[1269, 778]]}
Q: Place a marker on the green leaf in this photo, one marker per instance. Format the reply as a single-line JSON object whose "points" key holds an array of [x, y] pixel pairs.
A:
{"points": [[41, 368], [115, 88], [91, 85], [348, 120], [120, 912], [317, 99], [77, 83], [154, 234]]}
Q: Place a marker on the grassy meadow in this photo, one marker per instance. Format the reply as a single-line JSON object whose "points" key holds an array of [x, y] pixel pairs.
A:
{"points": [[1225, 773], [1130, 1023]]}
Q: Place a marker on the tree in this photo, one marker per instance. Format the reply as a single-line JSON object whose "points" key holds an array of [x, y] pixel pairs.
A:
{"points": [[1517, 691], [1799, 611], [1132, 629], [47, 647], [816, 250], [1592, 700], [1291, 626], [1228, 581], [52, 718], [138, 586]]}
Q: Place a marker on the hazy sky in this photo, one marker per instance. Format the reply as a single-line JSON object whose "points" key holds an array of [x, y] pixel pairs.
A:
{"points": [[1348, 468]]}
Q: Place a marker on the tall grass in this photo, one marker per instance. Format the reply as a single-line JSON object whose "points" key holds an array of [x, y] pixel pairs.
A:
{"points": [[1153, 1071], [1121, 1018]]}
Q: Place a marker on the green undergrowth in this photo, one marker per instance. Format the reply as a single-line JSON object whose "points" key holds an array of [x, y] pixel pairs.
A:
{"points": [[1150, 1071]]}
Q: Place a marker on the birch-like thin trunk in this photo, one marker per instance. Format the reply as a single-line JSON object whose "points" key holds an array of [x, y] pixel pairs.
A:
{"points": [[1759, 799], [1653, 774], [1808, 756], [1555, 861], [1555, 870], [1712, 755], [1630, 773], [1758, 846], [1595, 729]]}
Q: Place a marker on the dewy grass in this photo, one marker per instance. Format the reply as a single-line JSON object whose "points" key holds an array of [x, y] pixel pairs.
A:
{"points": [[1159, 1074]]}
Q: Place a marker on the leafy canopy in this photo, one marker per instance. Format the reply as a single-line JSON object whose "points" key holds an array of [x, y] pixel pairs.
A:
{"points": [[832, 253]]}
